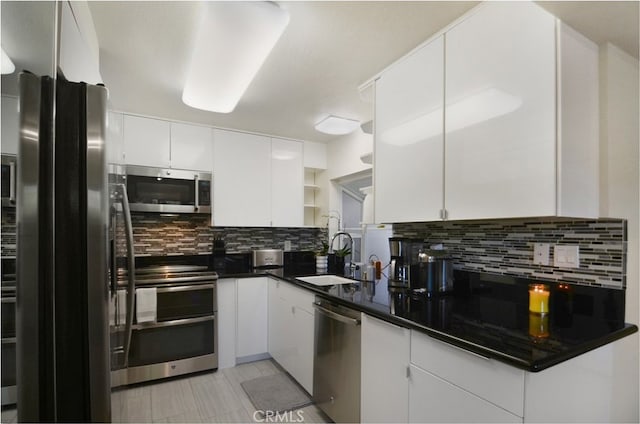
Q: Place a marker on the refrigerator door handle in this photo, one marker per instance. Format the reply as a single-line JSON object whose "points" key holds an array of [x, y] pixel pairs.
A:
{"points": [[197, 193], [12, 185], [113, 274], [131, 288]]}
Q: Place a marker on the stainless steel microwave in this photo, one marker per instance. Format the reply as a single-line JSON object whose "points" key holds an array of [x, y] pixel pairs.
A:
{"points": [[8, 180], [168, 190]]}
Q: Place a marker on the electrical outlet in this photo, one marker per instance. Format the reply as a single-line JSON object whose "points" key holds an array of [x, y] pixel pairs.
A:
{"points": [[566, 256], [287, 245], [541, 254]]}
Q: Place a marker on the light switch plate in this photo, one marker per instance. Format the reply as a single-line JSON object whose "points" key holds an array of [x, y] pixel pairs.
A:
{"points": [[541, 254], [287, 245], [566, 256]]}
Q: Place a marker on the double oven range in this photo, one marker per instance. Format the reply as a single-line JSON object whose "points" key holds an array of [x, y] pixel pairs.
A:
{"points": [[183, 337]]}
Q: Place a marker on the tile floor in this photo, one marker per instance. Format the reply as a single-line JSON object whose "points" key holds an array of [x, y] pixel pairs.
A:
{"points": [[215, 397]]}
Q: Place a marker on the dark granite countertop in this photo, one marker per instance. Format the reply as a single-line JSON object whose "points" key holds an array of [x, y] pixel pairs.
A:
{"points": [[489, 315]]}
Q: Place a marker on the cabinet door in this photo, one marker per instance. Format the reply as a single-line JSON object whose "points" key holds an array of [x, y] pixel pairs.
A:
{"points": [[303, 333], [500, 113], [385, 358], [241, 179], [277, 325], [191, 147], [408, 138], [287, 183], [146, 141], [10, 124], [226, 322], [252, 317], [433, 400]]}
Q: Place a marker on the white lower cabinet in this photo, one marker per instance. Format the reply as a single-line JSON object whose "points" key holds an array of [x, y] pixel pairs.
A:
{"points": [[384, 384], [252, 316], [450, 384], [291, 330], [226, 322], [432, 399]]}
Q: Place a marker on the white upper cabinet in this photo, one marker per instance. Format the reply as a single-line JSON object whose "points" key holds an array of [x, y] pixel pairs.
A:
{"points": [[287, 183], [409, 137], [164, 144], [500, 113], [315, 155], [241, 179], [10, 124], [520, 122], [147, 141], [191, 147]]}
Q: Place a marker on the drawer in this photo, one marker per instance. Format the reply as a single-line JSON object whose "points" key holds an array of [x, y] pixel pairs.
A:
{"points": [[300, 298], [498, 383]]}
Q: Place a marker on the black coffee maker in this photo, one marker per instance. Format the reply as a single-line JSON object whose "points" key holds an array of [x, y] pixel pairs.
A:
{"points": [[404, 261]]}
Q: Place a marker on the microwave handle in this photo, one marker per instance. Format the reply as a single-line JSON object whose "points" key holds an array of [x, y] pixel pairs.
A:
{"points": [[12, 182], [197, 202]]}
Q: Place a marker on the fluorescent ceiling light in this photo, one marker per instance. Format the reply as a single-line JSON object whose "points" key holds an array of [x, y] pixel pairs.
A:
{"points": [[335, 125], [233, 41], [7, 65], [471, 110]]}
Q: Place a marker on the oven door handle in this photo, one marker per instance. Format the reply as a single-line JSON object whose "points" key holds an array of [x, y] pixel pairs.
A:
{"points": [[173, 289], [172, 323]]}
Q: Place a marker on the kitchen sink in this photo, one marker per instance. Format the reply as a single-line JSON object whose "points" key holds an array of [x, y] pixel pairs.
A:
{"points": [[326, 280]]}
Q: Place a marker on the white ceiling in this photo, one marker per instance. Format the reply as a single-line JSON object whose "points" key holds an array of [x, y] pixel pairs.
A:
{"points": [[326, 52]]}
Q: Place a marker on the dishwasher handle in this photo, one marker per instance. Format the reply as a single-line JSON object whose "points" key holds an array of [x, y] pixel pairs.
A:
{"points": [[336, 316]]}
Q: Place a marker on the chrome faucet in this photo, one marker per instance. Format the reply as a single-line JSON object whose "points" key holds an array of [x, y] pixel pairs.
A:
{"points": [[344, 233]]}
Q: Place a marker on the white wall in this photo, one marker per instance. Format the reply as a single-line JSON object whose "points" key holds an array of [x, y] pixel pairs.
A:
{"points": [[343, 154], [619, 157], [343, 160], [620, 186]]}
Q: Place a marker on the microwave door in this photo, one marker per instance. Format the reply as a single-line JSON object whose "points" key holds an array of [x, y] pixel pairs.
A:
{"points": [[168, 190]]}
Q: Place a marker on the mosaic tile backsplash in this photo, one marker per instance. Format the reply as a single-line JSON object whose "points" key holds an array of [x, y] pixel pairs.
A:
{"points": [[191, 234], [506, 247]]}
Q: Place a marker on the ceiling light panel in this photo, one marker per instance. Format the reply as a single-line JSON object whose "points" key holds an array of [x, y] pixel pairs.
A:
{"points": [[335, 125], [233, 41]]}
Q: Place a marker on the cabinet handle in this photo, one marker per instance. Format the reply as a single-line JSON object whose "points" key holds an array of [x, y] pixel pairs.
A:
{"points": [[408, 371], [468, 352], [293, 309]]}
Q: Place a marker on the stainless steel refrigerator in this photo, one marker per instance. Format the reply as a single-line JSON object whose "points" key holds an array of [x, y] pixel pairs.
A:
{"points": [[62, 253]]}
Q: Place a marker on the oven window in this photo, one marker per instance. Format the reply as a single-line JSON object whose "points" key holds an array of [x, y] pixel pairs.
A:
{"points": [[180, 304], [164, 344], [160, 191]]}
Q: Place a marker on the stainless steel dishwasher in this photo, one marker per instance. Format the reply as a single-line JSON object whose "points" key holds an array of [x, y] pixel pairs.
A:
{"points": [[336, 365]]}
